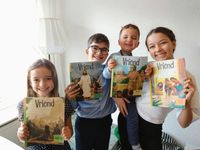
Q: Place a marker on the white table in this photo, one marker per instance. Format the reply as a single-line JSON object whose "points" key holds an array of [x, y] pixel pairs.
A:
{"points": [[7, 144]]}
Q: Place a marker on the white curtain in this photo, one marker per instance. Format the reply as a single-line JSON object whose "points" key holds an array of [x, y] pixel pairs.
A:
{"points": [[52, 36]]}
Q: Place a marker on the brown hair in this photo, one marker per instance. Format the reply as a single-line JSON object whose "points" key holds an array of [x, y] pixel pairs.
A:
{"points": [[169, 33], [130, 26], [98, 38], [50, 66]]}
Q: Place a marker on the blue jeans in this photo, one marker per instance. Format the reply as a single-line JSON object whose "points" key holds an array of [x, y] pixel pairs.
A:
{"points": [[132, 123]]}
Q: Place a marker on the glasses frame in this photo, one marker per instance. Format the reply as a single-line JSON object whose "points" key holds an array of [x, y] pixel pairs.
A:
{"points": [[96, 49]]}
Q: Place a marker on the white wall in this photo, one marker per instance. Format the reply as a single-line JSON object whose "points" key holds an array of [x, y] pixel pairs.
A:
{"points": [[84, 18]]}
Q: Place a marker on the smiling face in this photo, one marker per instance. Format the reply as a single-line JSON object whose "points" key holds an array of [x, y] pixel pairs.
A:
{"points": [[128, 40], [41, 81], [96, 52], [160, 46]]}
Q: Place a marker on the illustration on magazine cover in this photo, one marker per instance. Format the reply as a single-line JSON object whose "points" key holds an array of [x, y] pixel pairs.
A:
{"points": [[128, 76], [88, 76], [167, 83], [44, 118]]}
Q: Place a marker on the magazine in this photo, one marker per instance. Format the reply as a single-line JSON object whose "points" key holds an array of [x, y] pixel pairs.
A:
{"points": [[88, 76], [166, 84], [128, 76], [44, 117]]}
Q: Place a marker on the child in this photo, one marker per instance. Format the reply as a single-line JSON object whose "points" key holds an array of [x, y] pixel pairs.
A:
{"points": [[161, 44], [128, 40], [42, 81], [93, 121]]}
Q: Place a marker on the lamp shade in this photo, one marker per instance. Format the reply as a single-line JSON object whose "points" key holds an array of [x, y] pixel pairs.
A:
{"points": [[51, 31]]}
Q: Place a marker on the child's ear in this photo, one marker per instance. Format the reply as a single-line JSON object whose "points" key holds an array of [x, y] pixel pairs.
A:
{"points": [[174, 44], [138, 43], [86, 51], [119, 42]]}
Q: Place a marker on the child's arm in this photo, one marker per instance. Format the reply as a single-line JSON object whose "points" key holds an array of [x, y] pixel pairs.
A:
{"points": [[22, 132], [121, 104], [185, 117], [67, 131], [107, 70], [111, 64]]}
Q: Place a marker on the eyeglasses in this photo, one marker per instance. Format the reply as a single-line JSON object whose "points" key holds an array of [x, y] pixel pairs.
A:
{"points": [[96, 49]]}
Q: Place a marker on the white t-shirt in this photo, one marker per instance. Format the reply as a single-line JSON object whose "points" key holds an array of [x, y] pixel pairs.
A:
{"points": [[157, 115]]}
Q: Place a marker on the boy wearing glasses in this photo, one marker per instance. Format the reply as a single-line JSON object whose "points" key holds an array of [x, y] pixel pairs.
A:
{"points": [[93, 121]]}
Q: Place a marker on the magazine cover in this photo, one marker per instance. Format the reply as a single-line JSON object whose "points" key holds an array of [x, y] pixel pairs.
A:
{"points": [[167, 83], [88, 76], [128, 76], [44, 117]]}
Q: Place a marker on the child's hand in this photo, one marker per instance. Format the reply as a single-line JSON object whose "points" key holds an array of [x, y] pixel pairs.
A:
{"points": [[148, 70], [111, 64], [185, 118], [22, 132], [122, 105], [189, 88], [72, 90], [67, 132]]}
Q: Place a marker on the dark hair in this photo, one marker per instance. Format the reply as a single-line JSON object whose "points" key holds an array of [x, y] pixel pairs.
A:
{"points": [[130, 26], [50, 66], [169, 33], [98, 38]]}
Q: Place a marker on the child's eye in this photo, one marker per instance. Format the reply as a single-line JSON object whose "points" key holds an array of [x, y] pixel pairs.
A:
{"points": [[95, 47], [163, 42], [104, 49], [50, 78], [134, 38], [151, 47], [36, 80], [125, 37]]}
